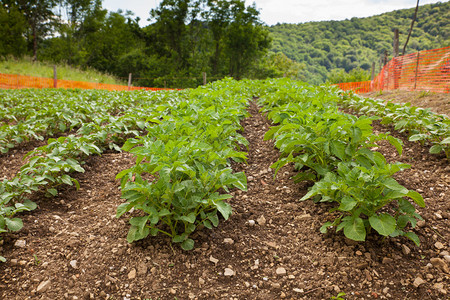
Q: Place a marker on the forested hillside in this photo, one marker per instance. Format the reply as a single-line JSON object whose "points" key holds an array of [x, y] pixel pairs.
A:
{"points": [[332, 45], [219, 37]]}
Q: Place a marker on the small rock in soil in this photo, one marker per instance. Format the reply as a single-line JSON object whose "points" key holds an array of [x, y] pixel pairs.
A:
{"points": [[261, 220], [73, 264], [387, 260], [405, 249], [20, 243], [132, 274], [228, 272], [438, 216], [440, 264], [213, 260], [251, 222], [281, 271], [439, 245], [228, 241], [418, 281], [142, 269], [421, 223], [440, 287], [43, 286], [201, 281], [297, 290]]}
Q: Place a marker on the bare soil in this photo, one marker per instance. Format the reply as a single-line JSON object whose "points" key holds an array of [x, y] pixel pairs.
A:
{"points": [[77, 249]]}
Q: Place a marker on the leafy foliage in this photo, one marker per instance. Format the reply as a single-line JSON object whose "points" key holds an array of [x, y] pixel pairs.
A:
{"points": [[420, 124], [333, 150], [350, 44], [187, 157]]}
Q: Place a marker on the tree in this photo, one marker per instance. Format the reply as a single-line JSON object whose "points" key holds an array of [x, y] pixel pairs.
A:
{"points": [[40, 18], [246, 40], [13, 27]]}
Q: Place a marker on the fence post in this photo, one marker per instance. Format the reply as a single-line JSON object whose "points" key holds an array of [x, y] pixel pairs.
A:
{"points": [[55, 77], [165, 85], [129, 81], [417, 69], [396, 50], [204, 78]]}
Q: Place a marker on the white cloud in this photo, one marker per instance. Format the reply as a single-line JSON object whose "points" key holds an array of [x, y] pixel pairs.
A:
{"points": [[290, 11]]}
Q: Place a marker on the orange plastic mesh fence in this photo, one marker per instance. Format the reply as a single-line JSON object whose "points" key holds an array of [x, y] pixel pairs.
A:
{"points": [[427, 70], [11, 81]]}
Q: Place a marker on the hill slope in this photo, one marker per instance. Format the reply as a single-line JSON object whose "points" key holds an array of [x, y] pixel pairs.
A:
{"points": [[349, 44]]}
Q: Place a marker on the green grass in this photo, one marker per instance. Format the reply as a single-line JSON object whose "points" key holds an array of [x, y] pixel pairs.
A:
{"points": [[25, 66]]}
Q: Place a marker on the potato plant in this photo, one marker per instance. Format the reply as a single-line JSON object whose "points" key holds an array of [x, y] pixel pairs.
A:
{"points": [[187, 158], [333, 149]]}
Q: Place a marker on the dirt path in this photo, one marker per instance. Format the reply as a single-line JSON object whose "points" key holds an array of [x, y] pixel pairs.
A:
{"points": [[271, 245]]}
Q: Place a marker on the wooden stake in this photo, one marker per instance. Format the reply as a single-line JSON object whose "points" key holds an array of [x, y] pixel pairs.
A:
{"points": [[417, 70], [55, 77], [129, 81], [396, 42], [204, 78]]}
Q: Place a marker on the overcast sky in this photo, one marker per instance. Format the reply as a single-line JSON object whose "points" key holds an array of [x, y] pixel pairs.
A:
{"points": [[290, 11]]}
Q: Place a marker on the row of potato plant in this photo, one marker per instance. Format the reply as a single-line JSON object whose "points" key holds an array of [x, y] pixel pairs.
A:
{"points": [[34, 114], [333, 149], [50, 166], [418, 123], [183, 175]]}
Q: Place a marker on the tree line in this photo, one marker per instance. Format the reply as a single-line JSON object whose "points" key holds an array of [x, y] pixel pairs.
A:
{"points": [[336, 50], [185, 38]]}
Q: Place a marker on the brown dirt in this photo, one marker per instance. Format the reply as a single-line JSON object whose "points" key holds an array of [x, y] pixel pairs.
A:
{"points": [[77, 249], [437, 102]]}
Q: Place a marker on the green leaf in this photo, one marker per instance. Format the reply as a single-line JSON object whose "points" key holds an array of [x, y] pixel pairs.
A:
{"points": [[123, 173], [384, 224], [397, 143], [413, 237], [66, 179], [224, 208], [338, 149], [30, 205], [347, 203], [207, 224], [52, 192], [436, 149], [14, 224], [188, 244], [179, 238], [446, 140], [154, 231], [392, 184], [2, 259], [405, 206], [190, 218], [85, 150], [417, 137], [354, 228], [123, 208], [417, 198], [324, 227], [213, 218], [139, 222]]}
